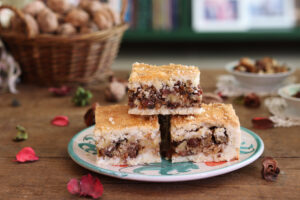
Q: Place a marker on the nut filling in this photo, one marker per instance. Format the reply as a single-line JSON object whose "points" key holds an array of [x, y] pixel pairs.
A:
{"points": [[212, 143], [180, 95], [122, 149]]}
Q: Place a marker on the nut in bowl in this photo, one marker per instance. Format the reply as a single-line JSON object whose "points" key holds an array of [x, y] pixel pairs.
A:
{"points": [[291, 94], [262, 75]]}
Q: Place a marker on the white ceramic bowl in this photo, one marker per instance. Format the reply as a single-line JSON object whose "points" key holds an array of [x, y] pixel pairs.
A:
{"points": [[293, 103], [258, 82]]}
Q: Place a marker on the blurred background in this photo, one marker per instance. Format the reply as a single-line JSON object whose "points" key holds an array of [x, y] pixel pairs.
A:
{"points": [[206, 33]]}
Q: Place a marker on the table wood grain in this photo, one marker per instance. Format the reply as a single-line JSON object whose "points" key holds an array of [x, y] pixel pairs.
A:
{"points": [[48, 177]]}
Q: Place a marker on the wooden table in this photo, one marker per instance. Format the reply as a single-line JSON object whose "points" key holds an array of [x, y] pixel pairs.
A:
{"points": [[48, 177]]}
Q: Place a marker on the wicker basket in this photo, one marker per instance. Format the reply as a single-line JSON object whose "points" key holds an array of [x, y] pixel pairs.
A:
{"points": [[53, 60]]}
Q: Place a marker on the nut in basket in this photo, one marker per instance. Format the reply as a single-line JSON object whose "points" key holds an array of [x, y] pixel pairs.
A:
{"points": [[57, 43]]}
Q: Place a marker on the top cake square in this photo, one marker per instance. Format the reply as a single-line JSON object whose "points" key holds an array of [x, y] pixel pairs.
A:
{"points": [[166, 89]]}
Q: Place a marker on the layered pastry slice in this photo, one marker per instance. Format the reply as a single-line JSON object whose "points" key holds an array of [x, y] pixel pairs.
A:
{"points": [[168, 89], [212, 136], [126, 139]]}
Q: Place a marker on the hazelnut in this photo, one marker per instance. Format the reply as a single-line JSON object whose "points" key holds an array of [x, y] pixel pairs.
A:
{"points": [[77, 17], [59, 6], [47, 21], [34, 8], [66, 29]]}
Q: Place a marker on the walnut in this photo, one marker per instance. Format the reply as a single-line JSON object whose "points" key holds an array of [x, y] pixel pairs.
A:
{"points": [[90, 28], [33, 28], [113, 15], [66, 29], [77, 17], [103, 19], [34, 8], [91, 6], [59, 6], [47, 21]]}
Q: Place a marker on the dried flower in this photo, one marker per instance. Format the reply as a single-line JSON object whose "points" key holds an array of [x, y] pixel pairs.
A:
{"points": [[89, 117], [270, 169], [262, 123], [27, 154], [21, 134], [224, 97], [239, 100], [252, 100], [211, 98], [115, 91], [73, 186], [62, 91], [60, 121], [82, 97], [15, 103], [88, 186]]}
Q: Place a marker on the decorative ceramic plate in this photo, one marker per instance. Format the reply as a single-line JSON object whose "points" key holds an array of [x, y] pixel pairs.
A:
{"points": [[83, 151]]}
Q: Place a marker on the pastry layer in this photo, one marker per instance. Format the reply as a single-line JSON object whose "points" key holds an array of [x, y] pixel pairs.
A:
{"points": [[158, 76], [168, 89], [213, 135], [126, 139]]}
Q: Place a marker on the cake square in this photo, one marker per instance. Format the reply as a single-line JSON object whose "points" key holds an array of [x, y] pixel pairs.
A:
{"points": [[167, 89], [213, 136], [126, 139]]}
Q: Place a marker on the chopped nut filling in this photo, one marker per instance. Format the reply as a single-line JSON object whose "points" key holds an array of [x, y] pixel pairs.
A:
{"points": [[180, 95], [211, 143], [122, 148]]}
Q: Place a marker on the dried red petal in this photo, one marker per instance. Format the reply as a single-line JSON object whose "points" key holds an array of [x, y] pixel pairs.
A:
{"points": [[262, 123], [89, 117], [91, 186], [252, 100], [73, 186], [270, 169], [27, 154], [60, 121], [62, 91]]}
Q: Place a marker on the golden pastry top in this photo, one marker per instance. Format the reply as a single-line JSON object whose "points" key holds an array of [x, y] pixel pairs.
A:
{"points": [[116, 117], [150, 73], [214, 114]]}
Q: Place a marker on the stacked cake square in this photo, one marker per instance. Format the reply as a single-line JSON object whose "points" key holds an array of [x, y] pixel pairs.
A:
{"points": [[164, 111]]}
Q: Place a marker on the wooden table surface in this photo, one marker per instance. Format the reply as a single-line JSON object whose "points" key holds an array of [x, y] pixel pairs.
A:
{"points": [[48, 177]]}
